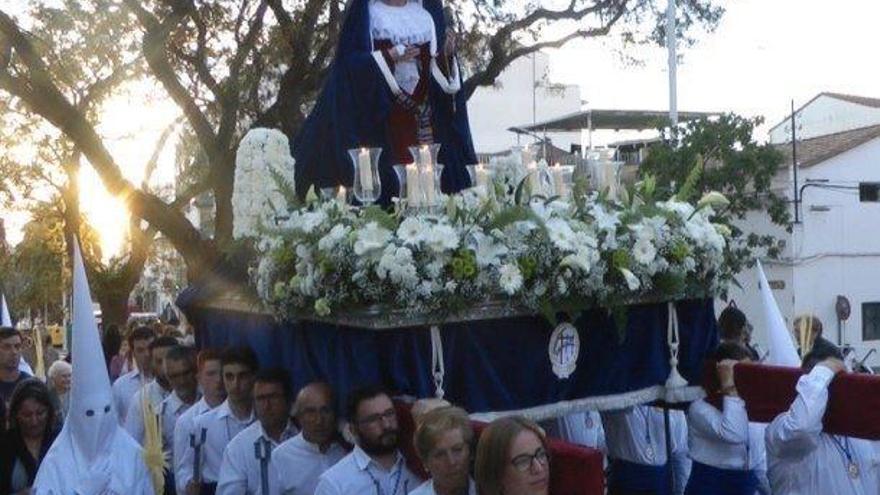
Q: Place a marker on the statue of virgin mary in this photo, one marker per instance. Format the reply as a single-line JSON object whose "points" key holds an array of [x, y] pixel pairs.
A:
{"points": [[395, 82]]}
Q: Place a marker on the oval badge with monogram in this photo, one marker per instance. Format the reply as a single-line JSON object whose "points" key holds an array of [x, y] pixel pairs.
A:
{"points": [[564, 348]]}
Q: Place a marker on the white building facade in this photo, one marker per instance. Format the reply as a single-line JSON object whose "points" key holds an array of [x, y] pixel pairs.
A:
{"points": [[834, 249], [828, 113], [522, 94]]}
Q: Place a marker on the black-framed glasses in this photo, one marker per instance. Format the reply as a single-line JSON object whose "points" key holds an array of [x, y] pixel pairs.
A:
{"points": [[523, 462], [389, 415]]}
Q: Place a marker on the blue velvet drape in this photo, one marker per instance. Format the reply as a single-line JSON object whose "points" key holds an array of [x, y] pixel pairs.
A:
{"points": [[498, 365]]}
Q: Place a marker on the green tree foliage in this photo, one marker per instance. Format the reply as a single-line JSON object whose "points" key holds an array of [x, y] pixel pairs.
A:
{"points": [[734, 164], [36, 272]]}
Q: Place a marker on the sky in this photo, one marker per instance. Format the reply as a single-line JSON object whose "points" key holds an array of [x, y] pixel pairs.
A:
{"points": [[763, 54]]}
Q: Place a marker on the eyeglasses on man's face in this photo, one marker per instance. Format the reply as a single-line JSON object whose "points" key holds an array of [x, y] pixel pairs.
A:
{"points": [[389, 415], [523, 462]]}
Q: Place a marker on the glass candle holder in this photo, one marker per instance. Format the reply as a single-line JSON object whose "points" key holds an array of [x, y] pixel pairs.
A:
{"points": [[424, 154], [606, 177], [480, 176], [561, 177], [365, 165], [408, 184]]}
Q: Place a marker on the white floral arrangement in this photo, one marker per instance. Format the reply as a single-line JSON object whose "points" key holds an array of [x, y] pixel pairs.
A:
{"points": [[542, 254], [263, 157]]}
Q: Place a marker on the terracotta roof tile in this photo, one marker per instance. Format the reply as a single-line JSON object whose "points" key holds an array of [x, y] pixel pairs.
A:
{"points": [[818, 149]]}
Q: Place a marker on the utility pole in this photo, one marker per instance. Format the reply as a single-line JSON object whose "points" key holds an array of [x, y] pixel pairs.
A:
{"points": [[673, 63], [794, 165]]}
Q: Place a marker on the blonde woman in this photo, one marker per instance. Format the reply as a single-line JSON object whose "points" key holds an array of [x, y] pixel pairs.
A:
{"points": [[443, 441], [513, 459]]}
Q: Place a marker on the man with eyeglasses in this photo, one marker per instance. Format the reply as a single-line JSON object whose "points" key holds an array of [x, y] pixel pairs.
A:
{"points": [[301, 460], [180, 372], [246, 467], [375, 466]]}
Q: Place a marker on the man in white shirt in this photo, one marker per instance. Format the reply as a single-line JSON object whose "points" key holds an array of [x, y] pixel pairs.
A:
{"points": [[127, 385], [802, 459], [300, 461], [246, 467], [727, 451], [186, 441], [582, 428], [375, 466], [223, 423], [636, 442], [154, 392], [180, 370]]}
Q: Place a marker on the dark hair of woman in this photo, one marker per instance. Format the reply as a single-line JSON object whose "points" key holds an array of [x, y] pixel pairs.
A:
{"points": [[19, 457]]}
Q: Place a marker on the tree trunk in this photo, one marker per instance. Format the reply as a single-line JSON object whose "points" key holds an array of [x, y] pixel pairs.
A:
{"points": [[114, 307], [223, 186]]}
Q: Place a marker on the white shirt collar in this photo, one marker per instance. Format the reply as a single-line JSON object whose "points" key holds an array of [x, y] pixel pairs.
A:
{"points": [[224, 411], [289, 432], [363, 460], [313, 448]]}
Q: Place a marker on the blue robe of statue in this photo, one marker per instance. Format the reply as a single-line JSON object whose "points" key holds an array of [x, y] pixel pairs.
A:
{"points": [[352, 111]]}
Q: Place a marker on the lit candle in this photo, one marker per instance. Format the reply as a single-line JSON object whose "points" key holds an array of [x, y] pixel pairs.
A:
{"points": [[427, 184], [424, 155], [558, 182], [526, 156], [482, 175], [364, 168], [340, 195], [413, 191]]}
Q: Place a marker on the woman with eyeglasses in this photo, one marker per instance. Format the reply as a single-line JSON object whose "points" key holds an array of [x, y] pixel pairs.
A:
{"points": [[31, 432], [512, 459], [443, 441]]}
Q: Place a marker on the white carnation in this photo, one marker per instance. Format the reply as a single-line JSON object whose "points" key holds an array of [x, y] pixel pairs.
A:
{"points": [[510, 278], [256, 199], [411, 231], [644, 251], [371, 237], [333, 238], [441, 237], [397, 265]]}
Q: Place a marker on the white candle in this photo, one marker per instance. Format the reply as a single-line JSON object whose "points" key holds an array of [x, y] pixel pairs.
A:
{"points": [[340, 195], [534, 181], [558, 182], [364, 169], [413, 191], [424, 155], [608, 179], [427, 184], [526, 156], [482, 175]]}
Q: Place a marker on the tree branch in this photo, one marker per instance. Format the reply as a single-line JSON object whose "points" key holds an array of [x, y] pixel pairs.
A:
{"points": [[44, 98], [502, 56], [155, 38]]}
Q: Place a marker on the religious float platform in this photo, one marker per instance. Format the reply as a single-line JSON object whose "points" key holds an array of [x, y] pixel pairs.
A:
{"points": [[535, 291]]}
